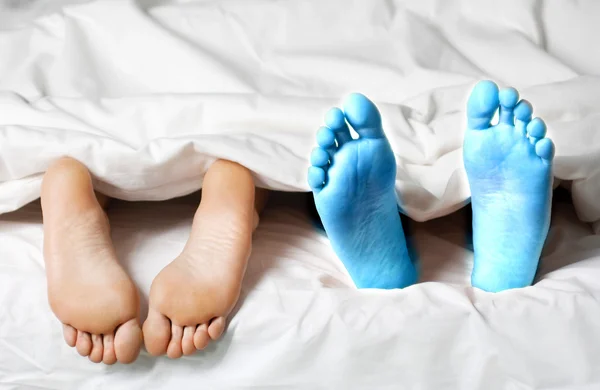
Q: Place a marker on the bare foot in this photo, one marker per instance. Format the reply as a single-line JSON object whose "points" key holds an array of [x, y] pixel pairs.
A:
{"points": [[191, 297], [88, 290]]}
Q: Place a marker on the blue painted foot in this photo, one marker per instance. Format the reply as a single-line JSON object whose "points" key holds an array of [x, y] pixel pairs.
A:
{"points": [[509, 166], [353, 186]]}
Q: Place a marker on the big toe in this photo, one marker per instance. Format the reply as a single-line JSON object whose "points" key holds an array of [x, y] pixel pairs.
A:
{"points": [[157, 333], [482, 105], [363, 115], [128, 341]]}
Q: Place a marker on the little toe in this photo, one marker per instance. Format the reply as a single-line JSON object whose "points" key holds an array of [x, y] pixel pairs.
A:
{"points": [[319, 157], [536, 129], [84, 343], [335, 120], [187, 342], [363, 116], [128, 341], [523, 112], [201, 337], [508, 100], [70, 335], [216, 327], [316, 178], [157, 333], [97, 349], [544, 148], [174, 350], [325, 138], [109, 357], [482, 105]]}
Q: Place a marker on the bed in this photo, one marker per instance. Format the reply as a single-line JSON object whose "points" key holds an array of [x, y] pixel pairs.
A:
{"points": [[148, 93]]}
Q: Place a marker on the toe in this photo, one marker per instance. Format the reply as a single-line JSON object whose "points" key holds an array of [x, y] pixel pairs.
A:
{"points": [[544, 148], [157, 333], [128, 341], [363, 116], [508, 100], [201, 337], [319, 157], [216, 327], [174, 350], [187, 342], [536, 129], [325, 138], [335, 120], [316, 178], [523, 112], [97, 348], [109, 357], [70, 335], [482, 105], [84, 343]]}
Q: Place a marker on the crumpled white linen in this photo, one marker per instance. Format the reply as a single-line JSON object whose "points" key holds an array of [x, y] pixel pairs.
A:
{"points": [[148, 94]]}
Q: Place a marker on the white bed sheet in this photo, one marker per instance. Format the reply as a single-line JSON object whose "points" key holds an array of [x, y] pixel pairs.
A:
{"points": [[149, 93], [301, 323]]}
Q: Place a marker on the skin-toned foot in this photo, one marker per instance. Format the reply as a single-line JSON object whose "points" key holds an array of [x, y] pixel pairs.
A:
{"points": [[191, 297], [88, 290]]}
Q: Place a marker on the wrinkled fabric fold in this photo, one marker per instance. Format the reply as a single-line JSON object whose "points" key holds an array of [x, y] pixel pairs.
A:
{"points": [[148, 96]]}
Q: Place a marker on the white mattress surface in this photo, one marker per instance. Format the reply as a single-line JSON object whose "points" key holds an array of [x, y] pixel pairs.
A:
{"points": [[301, 324]]}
